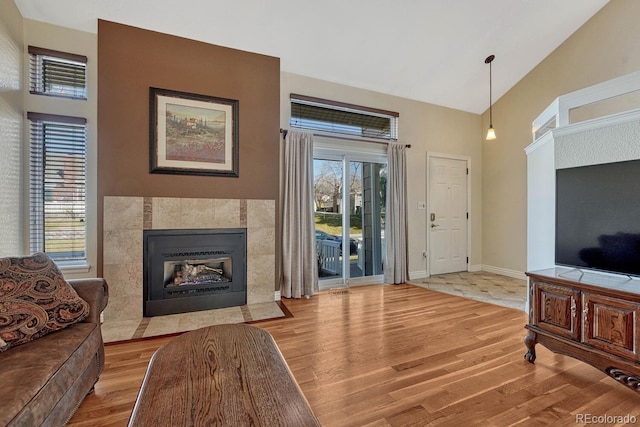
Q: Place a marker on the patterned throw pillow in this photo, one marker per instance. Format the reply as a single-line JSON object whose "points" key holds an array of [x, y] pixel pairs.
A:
{"points": [[35, 300]]}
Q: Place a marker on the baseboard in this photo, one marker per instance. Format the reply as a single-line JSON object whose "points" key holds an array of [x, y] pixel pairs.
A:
{"points": [[504, 272], [475, 267], [277, 296]]}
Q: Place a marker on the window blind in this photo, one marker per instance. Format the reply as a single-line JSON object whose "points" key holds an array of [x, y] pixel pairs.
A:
{"points": [[341, 118], [57, 73], [57, 189]]}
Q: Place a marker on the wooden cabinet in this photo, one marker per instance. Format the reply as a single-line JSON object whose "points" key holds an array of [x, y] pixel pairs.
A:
{"points": [[556, 311], [610, 324], [591, 317]]}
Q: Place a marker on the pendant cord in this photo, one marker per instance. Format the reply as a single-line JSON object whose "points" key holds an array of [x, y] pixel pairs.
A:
{"points": [[489, 60], [490, 102]]}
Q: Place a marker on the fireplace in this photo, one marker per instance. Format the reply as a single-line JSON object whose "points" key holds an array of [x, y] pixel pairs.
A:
{"points": [[192, 270]]}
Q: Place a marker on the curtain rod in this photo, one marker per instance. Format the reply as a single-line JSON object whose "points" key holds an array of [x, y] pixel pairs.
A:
{"points": [[285, 131]]}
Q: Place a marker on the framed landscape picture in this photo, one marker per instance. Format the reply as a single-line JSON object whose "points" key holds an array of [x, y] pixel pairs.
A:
{"points": [[193, 134]]}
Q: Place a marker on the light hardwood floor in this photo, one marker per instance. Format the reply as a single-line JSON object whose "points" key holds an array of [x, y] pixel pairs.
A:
{"points": [[402, 355]]}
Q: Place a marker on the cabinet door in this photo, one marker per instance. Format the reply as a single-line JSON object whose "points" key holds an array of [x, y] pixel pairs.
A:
{"points": [[555, 309], [611, 324]]}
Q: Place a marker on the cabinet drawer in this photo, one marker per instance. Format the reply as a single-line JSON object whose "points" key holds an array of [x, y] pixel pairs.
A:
{"points": [[555, 309], [611, 324]]}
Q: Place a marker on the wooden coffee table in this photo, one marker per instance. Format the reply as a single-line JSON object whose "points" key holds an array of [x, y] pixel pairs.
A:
{"points": [[224, 375]]}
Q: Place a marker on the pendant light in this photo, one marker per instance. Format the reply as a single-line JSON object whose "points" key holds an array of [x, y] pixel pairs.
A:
{"points": [[491, 133]]}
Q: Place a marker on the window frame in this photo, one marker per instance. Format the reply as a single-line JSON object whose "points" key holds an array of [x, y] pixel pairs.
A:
{"points": [[342, 107], [37, 73], [39, 183]]}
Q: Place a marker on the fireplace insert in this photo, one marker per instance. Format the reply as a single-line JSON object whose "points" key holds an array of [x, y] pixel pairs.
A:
{"points": [[192, 270]]}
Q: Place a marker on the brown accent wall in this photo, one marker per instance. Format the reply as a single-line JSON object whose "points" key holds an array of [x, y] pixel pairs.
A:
{"points": [[130, 60]]}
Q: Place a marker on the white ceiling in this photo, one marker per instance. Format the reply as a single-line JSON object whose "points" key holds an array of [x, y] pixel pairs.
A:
{"points": [[427, 50]]}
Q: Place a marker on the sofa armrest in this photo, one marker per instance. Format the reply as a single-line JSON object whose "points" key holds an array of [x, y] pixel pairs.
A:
{"points": [[95, 292]]}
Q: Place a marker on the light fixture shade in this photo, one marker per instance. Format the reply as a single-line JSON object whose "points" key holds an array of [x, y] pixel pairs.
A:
{"points": [[491, 134]]}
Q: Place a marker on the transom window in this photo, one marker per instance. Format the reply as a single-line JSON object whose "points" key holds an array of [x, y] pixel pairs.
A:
{"points": [[56, 73], [343, 119]]}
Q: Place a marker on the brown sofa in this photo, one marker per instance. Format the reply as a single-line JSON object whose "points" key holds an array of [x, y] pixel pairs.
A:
{"points": [[44, 381]]}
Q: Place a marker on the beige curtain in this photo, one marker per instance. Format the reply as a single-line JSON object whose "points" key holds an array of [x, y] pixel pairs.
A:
{"points": [[299, 269], [396, 268]]}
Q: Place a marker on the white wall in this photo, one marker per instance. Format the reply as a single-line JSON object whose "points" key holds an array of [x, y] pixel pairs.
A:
{"points": [[606, 143], [541, 206], [11, 113]]}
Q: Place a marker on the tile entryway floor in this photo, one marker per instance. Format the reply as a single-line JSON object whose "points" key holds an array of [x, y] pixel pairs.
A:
{"points": [[480, 286]]}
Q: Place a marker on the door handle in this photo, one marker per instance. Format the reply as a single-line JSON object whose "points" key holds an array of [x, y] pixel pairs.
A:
{"points": [[434, 225]]}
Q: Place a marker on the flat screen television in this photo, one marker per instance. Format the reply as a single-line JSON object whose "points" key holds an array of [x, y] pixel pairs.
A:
{"points": [[598, 217]]}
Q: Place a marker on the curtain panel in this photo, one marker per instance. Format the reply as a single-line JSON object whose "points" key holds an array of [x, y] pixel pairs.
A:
{"points": [[299, 260], [396, 269]]}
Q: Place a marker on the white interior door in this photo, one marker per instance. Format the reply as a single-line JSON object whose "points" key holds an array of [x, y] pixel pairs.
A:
{"points": [[447, 215]]}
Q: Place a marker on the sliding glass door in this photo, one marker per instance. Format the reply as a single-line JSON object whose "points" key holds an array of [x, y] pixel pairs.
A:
{"points": [[329, 208], [349, 195], [367, 201]]}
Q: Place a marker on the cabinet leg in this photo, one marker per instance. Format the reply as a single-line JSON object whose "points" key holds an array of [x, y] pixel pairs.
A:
{"points": [[530, 341]]}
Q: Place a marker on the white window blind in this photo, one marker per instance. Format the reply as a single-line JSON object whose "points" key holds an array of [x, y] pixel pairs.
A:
{"points": [[57, 190], [57, 73], [333, 117]]}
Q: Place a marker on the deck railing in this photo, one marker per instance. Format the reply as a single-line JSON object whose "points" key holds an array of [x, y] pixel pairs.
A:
{"points": [[329, 256]]}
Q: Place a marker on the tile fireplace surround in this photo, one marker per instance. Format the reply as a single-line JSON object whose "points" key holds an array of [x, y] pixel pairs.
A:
{"points": [[126, 217]]}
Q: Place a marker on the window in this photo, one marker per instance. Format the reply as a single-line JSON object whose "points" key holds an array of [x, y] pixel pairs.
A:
{"points": [[345, 119], [57, 73], [57, 188]]}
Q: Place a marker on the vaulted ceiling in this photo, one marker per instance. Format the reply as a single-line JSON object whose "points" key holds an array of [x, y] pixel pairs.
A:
{"points": [[428, 50]]}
